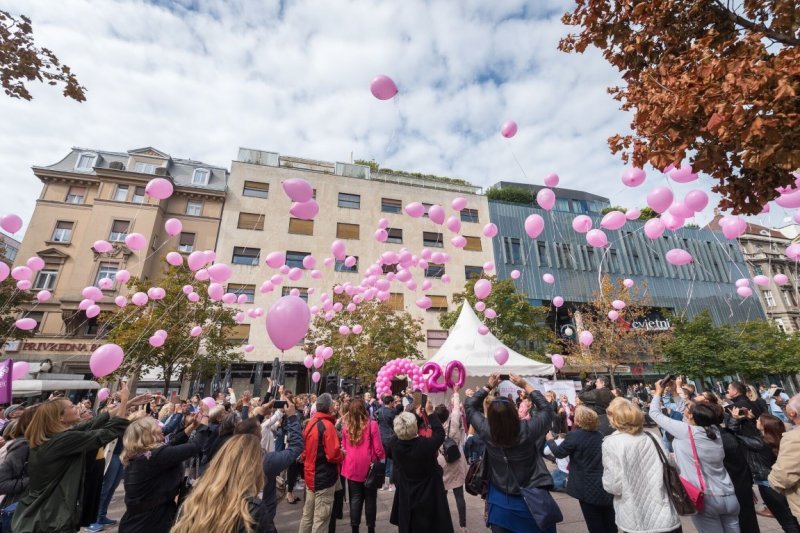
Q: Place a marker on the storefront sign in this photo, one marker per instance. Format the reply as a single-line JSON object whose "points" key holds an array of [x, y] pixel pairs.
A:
{"points": [[652, 325], [87, 347]]}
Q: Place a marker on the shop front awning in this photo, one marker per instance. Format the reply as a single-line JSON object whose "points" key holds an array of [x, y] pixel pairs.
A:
{"points": [[33, 387]]}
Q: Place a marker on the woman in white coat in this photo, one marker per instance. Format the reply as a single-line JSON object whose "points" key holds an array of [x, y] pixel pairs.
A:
{"points": [[633, 473], [454, 473]]}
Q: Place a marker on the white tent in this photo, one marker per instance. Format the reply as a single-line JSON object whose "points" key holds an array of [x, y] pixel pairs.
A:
{"points": [[476, 351]]}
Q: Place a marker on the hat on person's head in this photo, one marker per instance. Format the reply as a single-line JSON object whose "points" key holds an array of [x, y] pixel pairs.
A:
{"points": [[14, 407]]}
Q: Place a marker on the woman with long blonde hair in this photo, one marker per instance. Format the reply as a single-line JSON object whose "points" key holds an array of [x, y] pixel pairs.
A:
{"points": [[225, 499], [361, 440]]}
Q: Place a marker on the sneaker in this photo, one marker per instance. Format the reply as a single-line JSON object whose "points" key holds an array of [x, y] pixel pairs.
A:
{"points": [[92, 528], [107, 521]]}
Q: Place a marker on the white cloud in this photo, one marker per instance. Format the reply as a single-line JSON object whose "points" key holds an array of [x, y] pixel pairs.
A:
{"points": [[199, 79]]}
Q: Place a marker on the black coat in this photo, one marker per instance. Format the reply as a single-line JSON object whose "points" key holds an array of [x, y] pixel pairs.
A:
{"points": [[739, 471], [585, 452], [385, 417], [597, 399], [152, 482], [420, 501], [14, 471]]}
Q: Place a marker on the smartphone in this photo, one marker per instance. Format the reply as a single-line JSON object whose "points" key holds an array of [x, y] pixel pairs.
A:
{"points": [[417, 399], [424, 401], [279, 404], [667, 379], [777, 392], [504, 377]]}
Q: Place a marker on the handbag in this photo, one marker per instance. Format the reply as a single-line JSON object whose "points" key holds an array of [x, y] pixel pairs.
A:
{"points": [[450, 448], [672, 482], [476, 482], [376, 474], [425, 429], [696, 494], [540, 502]]}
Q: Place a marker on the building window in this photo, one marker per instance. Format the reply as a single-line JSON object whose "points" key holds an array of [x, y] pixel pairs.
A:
{"points": [[788, 297], [295, 259], [347, 231], [119, 230], [256, 189], [285, 291], [200, 176], [758, 270], [395, 236], [389, 268], [469, 215], [472, 272], [432, 240], [251, 221], [76, 195], [45, 279], [349, 201], [434, 271], [194, 208], [781, 325], [86, 162], [247, 290], [513, 251], [438, 303], [138, 195], [768, 299], [436, 337], [144, 168], [473, 244], [106, 270], [240, 334], [38, 316], [243, 255], [186, 243], [544, 255], [63, 231], [301, 227], [388, 205], [341, 267], [426, 207], [121, 194], [396, 302]]}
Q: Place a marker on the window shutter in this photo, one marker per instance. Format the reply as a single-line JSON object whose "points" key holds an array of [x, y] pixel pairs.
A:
{"points": [[473, 244], [301, 227], [347, 231], [438, 302], [251, 221], [396, 301]]}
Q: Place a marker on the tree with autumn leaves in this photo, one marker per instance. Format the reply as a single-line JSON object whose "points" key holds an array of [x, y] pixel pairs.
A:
{"points": [[387, 334], [711, 83], [132, 326]]}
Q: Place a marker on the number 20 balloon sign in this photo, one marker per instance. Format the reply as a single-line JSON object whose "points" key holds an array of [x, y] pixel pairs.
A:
{"points": [[431, 372]]}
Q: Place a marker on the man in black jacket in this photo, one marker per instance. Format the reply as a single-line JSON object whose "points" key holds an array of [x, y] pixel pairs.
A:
{"points": [[597, 398], [749, 411]]}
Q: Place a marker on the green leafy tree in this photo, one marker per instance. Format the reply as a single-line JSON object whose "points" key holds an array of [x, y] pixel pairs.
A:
{"points": [[697, 347], [131, 327], [386, 335], [22, 61], [514, 195], [519, 325], [13, 303]]}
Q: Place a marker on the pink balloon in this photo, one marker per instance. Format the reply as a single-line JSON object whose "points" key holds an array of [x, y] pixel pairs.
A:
{"points": [[733, 226], [105, 283], [632, 214], [275, 259], [446, 279], [558, 301], [551, 180], [659, 199], [11, 223], [139, 299], [156, 341], [581, 223], [25, 324], [671, 222], [613, 315], [35, 263], [383, 223], [156, 293], [458, 241], [242, 299], [121, 301], [490, 230], [383, 87], [92, 311], [196, 331], [613, 220], [308, 361], [501, 355], [135, 241], [249, 348], [424, 303], [215, 291], [174, 259], [789, 200], [683, 174], [458, 204], [678, 257], [24, 284], [209, 402], [106, 359], [327, 352], [173, 226], [780, 279], [196, 260], [193, 297], [287, 322], [229, 298], [508, 129], [558, 361], [483, 330], [490, 313], [304, 211], [344, 331], [21, 273], [318, 361], [4, 271], [654, 228], [350, 261], [488, 266], [633, 177], [315, 377], [596, 238], [627, 282], [415, 209], [84, 304], [43, 295], [357, 329], [480, 306], [159, 188], [103, 394], [619, 305], [210, 255], [793, 251], [220, 272], [122, 276], [92, 293], [482, 289], [187, 289], [381, 235], [744, 292], [534, 225], [298, 190], [548, 278], [761, 280], [742, 282], [515, 274], [696, 200], [19, 369], [309, 262], [546, 199], [436, 214], [338, 250], [316, 274], [201, 275], [586, 338], [454, 224]]}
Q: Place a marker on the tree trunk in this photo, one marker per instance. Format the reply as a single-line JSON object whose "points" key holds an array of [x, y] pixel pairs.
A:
{"points": [[611, 373], [167, 379]]}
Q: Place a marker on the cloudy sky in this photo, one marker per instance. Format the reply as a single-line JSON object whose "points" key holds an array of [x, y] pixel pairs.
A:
{"points": [[198, 79]]}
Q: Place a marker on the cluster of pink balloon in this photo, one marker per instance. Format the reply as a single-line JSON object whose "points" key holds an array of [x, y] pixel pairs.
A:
{"points": [[395, 367], [432, 371]]}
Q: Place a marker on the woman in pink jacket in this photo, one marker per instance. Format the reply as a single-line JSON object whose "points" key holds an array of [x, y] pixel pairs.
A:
{"points": [[361, 440]]}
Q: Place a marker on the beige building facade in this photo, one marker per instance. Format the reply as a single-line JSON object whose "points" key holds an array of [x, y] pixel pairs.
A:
{"points": [[93, 195], [352, 199]]}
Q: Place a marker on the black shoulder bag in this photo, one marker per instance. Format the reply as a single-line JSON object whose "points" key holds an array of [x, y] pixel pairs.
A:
{"points": [[477, 479], [672, 483], [450, 448], [540, 502], [377, 469]]}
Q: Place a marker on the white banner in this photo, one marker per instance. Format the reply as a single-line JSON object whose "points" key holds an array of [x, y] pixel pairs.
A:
{"points": [[542, 385]]}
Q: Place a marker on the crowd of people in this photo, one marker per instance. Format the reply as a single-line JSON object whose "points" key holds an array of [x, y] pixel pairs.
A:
{"points": [[187, 466]]}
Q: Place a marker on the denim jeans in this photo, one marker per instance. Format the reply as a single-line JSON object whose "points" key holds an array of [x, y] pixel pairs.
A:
{"points": [[559, 479], [388, 468], [110, 483]]}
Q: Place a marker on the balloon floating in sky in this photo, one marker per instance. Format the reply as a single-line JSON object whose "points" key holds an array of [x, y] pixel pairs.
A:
{"points": [[287, 321], [11, 223], [534, 225], [551, 180], [501, 355], [633, 177], [159, 188], [106, 359], [581, 223], [678, 257], [483, 287], [508, 129], [173, 226], [298, 190], [383, 87]]}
